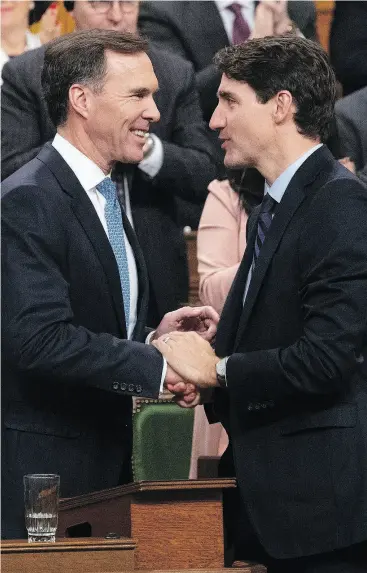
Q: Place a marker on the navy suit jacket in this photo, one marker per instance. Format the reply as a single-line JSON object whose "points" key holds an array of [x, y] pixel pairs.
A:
{"points": [[68, 374], [296, 405]]}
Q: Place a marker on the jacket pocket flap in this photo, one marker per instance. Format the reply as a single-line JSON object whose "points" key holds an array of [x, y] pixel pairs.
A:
{"points": [[38, 423], [342, 416]]}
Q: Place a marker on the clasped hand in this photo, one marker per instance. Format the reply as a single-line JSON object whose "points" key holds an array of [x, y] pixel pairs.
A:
{"points": [[198, 321], [191, 361]]}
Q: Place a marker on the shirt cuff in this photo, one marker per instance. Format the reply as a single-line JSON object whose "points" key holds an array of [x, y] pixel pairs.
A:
{"points": [[164, 369], [152, 164]]}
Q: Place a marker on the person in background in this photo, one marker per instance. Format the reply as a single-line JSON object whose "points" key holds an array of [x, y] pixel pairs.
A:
{"points": [[221, 242], [197, 30], [178, 161], [351, 115], [221, 239], [16, 37], [348, 44]]}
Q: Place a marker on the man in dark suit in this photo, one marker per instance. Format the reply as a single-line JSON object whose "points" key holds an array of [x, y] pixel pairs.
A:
{"points": [[197, 30], [74, 281], [178, 163], [289, 368]]}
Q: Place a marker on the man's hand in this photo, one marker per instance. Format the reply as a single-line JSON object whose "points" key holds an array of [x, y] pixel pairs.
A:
{"points": [[348, 163], [200, 319], [186, 395], [190, 356]]}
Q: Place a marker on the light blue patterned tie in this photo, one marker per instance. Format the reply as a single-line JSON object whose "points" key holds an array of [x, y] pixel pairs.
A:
{"points": [[116, 236]]}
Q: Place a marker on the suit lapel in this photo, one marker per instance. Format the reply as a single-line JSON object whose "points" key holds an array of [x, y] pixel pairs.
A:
{"points": [[85, 213], [292, 199]]}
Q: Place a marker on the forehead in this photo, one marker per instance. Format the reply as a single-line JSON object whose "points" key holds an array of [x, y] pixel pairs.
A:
{"points": [[233, 87], [131, 70]]}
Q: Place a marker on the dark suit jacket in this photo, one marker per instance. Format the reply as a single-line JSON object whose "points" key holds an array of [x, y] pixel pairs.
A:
{"points": [[187, 169], [68, 375], [351, 116], [296, 405], [195, 31], [348, 44]]}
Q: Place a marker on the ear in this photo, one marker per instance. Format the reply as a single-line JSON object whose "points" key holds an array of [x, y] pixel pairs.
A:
{"points": [[80, 98], [284, 106]]}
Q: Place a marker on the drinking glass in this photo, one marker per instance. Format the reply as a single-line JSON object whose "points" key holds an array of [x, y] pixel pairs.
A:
{"points": [[41, 500]]}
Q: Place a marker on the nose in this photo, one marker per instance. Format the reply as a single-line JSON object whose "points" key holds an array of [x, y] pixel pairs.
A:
{"points": [[152, 112], [115, 12], [217, 120]]}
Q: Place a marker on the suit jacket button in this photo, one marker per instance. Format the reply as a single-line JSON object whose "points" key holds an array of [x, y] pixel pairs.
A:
{"points": [[139, 389], [131, 388], [123, 387], [115, 385]]}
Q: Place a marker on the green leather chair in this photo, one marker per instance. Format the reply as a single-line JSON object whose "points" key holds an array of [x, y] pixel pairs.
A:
{"points": [[162, 440]]}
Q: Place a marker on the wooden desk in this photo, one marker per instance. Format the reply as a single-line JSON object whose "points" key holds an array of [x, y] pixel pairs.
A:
{"points": [[90, 555], [169, 520]]}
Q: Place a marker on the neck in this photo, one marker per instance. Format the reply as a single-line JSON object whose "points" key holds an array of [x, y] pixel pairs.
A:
{"points": [[86, 146], [13, 42], [285, 151]]}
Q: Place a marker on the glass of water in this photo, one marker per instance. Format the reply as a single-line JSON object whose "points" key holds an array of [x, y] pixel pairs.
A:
{"points": [[41, 500]]}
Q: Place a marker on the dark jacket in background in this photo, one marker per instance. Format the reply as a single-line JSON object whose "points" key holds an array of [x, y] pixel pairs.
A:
{"points": [[195, 31], [348, 44], [351, 115]]}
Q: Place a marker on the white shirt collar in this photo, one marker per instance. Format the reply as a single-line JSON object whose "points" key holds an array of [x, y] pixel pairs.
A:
{"points": [[277, 190], [87, 172]]}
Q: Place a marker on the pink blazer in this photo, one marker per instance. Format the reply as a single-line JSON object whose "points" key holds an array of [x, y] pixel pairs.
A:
{"points": [[221, 243]]}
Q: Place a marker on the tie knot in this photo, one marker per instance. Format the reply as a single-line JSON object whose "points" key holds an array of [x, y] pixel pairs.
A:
{"points": [[107, 188], [235, 8], [267, 204]]}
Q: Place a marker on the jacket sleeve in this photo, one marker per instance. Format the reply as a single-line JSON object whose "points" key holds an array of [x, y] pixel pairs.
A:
{"points": [[39, 334], [21, 139]]}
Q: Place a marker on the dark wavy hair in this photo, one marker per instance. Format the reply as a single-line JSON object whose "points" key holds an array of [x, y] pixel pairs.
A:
{"points": [[269, 65]]}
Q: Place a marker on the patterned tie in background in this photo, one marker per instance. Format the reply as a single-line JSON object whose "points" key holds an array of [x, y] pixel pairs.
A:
{"points": [[116, 237], [241, 30], [263, 224]]}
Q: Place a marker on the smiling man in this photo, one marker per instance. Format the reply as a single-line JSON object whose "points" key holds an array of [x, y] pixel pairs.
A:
{"points": [[289, 367], [75, 288]]}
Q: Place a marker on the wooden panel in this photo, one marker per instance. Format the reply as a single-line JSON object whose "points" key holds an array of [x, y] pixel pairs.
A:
{"points": [[191, 246], [324, 18], [174, 534], [76, 556]]}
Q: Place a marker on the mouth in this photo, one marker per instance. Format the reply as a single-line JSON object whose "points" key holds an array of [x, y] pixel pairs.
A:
{"points": [[224, 144], [140, 133]]}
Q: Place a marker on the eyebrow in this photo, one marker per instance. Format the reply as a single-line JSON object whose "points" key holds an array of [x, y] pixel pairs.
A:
{"points": [[225, 95], [140, 92]]}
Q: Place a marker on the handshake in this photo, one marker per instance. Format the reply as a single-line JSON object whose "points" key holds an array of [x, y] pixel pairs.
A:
{"points": [[184, 338]]}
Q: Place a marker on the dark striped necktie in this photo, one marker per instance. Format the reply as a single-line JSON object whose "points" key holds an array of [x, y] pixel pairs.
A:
{"points": [[263, 224]]}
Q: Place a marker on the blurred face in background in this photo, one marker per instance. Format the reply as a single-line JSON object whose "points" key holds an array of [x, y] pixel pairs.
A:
{"points": [[104, 15], [15, 14]]}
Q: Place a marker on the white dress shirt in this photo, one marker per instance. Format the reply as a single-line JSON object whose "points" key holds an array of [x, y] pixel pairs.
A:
{"points": [[228, 17], [32, 41]]}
